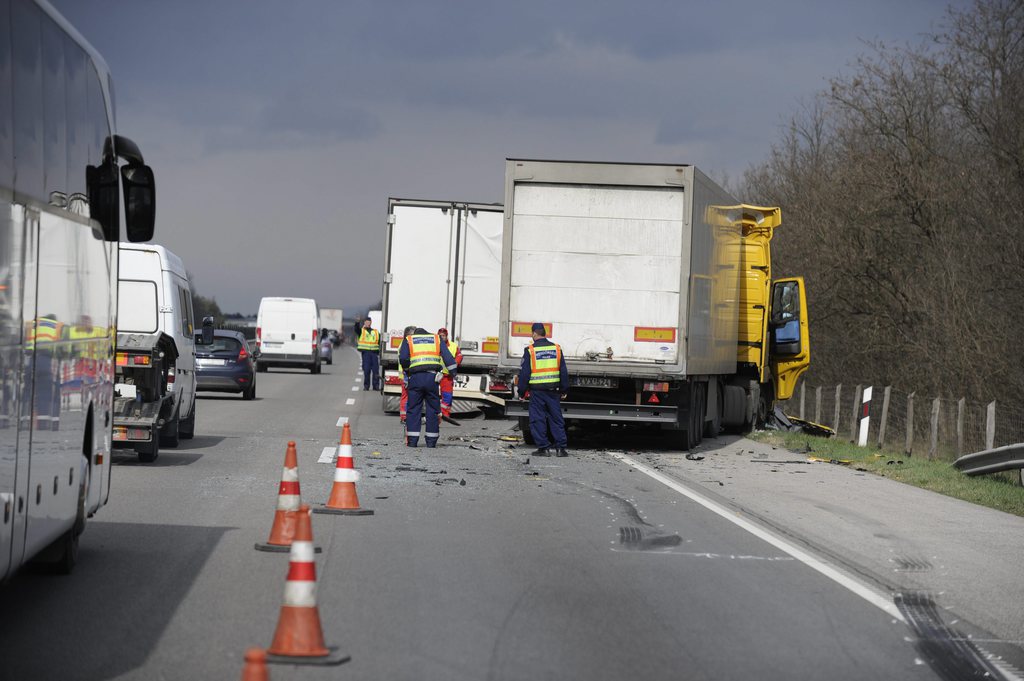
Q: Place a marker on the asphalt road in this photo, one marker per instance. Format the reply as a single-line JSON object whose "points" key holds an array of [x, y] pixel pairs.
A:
{"points": [[476, 565]]}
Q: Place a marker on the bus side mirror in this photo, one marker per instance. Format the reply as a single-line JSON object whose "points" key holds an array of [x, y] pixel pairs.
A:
{"points": [[207, 330], [139, 201], [101, 184]]}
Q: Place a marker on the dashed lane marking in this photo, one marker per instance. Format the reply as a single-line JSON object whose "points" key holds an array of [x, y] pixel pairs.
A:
{"points": [[350, 400], [342, 420], [327, 455]]}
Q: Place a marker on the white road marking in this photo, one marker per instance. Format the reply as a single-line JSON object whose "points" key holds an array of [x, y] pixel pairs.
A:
{"points": [[327, 455], [342, 420], [350, 400], [355, 388], [873, 597]]}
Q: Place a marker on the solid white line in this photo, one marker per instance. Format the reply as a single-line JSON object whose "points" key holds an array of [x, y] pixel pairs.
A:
{"points": [[350, 400], [867, 593]]}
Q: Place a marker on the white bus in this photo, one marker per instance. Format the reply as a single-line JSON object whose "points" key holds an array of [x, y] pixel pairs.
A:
{"points": [[60, 216]]}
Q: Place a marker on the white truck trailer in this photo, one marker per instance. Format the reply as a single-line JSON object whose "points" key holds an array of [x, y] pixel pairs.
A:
{"points": [[442, 267], [657, 285]]}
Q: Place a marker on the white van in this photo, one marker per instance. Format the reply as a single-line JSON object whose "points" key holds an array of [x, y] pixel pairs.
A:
{"points": [[154, 295], [288, 334]]}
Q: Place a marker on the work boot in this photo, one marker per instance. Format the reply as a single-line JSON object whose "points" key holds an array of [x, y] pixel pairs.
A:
{"points": [[541, 451], [562, 451]]}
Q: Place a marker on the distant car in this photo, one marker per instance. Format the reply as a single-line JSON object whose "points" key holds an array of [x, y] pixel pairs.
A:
{"points": [[227, 365], [326, 347]]}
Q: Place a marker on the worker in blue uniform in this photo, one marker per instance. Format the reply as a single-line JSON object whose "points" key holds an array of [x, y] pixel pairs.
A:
{"points": [[423, 356], [544, 381]]}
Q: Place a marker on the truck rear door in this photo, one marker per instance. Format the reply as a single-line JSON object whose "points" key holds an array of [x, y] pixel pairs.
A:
{"points": [[602, 265]]}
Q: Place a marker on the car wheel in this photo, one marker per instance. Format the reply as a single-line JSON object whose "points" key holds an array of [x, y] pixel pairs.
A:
{"points": [[330, 361], [250, 392], [187, 427]]}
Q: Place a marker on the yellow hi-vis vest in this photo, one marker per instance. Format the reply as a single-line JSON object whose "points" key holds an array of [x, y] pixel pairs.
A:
{"points": [[545, 362], [45, 331], [424, 351], [369, 339], [453, 349]]}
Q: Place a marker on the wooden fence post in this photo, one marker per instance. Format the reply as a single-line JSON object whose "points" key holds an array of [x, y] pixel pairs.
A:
{"points": [[990, 425], [933, 442], [835, 418], [885, 416], [960, 405], [803, 391], [909, 449], [856, 413], [817, 404]]}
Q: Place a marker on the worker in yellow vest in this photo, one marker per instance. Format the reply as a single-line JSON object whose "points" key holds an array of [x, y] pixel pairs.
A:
{"points": [[404, 400], [544, 381], [423, 358], [447, 382], [369, 348]]}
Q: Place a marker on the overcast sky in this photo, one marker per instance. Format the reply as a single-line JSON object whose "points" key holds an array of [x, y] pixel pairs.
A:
{"points": [[277, 130]]}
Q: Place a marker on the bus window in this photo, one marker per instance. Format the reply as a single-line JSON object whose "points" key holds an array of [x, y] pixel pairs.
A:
{"points": [[6, 132], [28, 99], [55, 154]]}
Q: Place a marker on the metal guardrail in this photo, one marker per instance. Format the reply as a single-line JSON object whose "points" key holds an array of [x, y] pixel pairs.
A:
{"points": [[1007, 458]]}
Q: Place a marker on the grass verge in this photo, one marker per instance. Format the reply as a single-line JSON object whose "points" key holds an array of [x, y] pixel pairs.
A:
{"points": [[1000, 491]]}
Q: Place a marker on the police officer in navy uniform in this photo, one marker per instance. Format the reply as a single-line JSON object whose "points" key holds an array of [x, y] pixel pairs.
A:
{"points": [[423, 356], [544, 381]]}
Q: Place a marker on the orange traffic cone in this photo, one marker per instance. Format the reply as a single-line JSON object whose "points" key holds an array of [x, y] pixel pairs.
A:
{"points": [[343, 499], [288, 501], [255, 665], [299, 638]]}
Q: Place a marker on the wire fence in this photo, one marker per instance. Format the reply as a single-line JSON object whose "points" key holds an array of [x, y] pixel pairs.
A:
{"points": [[916, 424]]}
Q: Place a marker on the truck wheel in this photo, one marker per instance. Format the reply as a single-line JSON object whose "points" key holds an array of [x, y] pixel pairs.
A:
{"points": [[187, 427], [149, 451], [524, 426], [169, 434]]}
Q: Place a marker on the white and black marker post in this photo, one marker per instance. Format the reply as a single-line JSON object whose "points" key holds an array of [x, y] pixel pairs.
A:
{"points": [[865, 418]]}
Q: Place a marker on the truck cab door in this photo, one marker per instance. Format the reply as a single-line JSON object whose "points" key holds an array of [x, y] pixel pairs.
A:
{"points": [[789, 343]]}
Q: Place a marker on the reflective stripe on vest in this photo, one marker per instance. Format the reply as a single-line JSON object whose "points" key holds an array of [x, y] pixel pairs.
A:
{"points": [[424, 351], [545, 362], [369, 339], [453, 348]]}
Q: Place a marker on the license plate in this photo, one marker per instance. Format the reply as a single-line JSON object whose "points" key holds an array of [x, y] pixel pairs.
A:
{"points": [[592, 382], [211, 362], [461, 381]]}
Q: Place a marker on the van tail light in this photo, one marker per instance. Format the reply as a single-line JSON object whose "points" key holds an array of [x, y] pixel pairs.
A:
{"points": [[315, 337], [170, 376], [259, 337]]}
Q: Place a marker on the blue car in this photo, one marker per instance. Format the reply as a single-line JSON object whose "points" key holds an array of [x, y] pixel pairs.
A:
{"points": [[226, 366]]}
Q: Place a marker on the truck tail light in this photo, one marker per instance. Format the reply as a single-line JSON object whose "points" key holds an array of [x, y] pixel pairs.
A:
{"points": [[496, 387], [655, 387], [170, 376], [393, 380]]}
